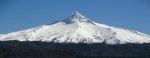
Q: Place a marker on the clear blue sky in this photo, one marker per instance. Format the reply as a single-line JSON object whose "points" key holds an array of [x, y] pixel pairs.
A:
{"points": [[18, 15]]}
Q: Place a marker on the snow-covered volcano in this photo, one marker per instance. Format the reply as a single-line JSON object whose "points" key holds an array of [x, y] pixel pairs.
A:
{"points": [[78, 29]]}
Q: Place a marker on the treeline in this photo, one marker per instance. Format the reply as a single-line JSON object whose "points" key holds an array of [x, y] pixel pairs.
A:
{"points": [[35, 49]]}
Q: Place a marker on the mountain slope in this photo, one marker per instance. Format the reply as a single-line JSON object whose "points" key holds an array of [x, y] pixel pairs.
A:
{"points": [[78, 29]]}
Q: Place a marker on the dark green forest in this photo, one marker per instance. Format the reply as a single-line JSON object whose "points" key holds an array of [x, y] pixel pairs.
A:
{"points": [[35, 49]]}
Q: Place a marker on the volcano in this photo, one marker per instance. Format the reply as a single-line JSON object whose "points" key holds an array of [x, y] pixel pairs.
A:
{"points": [[77, 29]]}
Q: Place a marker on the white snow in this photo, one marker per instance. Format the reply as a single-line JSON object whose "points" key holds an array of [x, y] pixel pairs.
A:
{"points": [[78, 29]]}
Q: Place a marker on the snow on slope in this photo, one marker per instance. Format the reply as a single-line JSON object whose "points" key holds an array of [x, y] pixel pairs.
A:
{"points": [[78, 29]]}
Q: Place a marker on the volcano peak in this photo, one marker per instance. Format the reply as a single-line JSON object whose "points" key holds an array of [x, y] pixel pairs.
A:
{"points": [[76, 17]]}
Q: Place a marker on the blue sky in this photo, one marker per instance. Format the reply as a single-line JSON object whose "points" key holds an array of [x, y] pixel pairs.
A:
{"points": [[18, 15]]}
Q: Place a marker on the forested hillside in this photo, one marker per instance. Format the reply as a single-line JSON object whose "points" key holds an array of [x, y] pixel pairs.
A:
{"points": [[16, 49]]}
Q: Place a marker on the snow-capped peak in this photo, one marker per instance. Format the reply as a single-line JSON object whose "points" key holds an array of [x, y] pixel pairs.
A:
{"points": [[78, 29], [76, 17]]}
